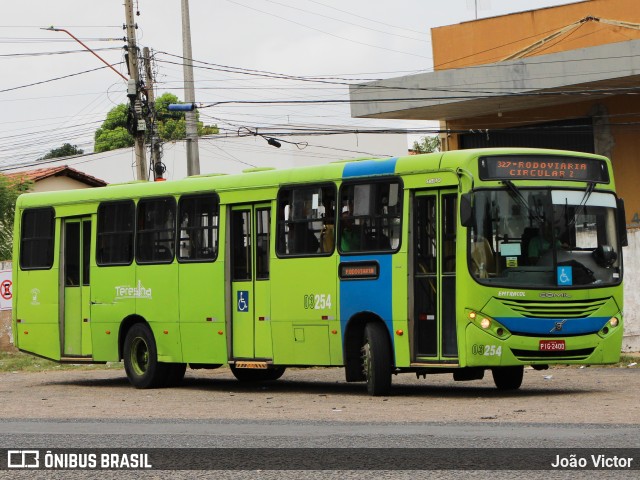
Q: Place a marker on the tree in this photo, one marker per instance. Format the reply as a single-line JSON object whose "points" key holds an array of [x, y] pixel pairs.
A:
{"points": [[66, 150], [10, 188], [171, 126], [427, 145]]}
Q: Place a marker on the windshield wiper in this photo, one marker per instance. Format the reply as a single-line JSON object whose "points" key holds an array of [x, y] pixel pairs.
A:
{"points": [[583, 203], [517, 194]]}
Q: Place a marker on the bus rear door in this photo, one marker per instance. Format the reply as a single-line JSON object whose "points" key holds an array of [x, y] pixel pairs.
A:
{"points": [[250, 242], [433, 297], [76, 331]]}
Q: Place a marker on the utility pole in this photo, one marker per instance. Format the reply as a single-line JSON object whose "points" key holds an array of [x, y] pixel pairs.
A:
{"points": [[133, 92], [193, 155], [156, 157]]}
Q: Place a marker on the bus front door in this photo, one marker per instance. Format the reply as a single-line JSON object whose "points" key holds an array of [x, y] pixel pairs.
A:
{"points": [[250, 244], [76, 329], [432, 315]]}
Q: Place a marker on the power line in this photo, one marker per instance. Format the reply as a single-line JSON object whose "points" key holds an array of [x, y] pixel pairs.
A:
{"points": [[58, 78], [61, 52], [344, 21], [326, 33], [365, 18]]}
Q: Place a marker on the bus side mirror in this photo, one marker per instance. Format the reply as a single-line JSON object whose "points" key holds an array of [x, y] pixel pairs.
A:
{"points": [[622, 223], [466, 210]]}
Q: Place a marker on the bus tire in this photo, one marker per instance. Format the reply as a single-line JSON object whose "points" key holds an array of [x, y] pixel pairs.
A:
{"points": [[508, 378], [141, 358], [376, 359], [250, 375], [175, 374]]}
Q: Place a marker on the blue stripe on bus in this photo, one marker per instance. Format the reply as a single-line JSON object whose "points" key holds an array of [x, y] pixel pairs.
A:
{"points": [[547, 326], [370, 167], [365, 295]]}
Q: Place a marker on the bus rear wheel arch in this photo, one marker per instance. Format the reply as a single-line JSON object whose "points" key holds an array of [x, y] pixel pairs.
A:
{"points": [[141, 358]]}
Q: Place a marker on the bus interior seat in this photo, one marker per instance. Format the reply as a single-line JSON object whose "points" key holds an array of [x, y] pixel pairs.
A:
{"points": [[327, 238], [483, 257]]}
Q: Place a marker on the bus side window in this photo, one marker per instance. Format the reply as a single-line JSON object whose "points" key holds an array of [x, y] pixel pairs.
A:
{"points": [[115, 233], [156, 230], [370, 219], [37, 239], [305, 220], [198, 228]]}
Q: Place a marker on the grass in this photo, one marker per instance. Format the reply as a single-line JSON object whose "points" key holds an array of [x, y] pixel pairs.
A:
{"points": [[18, 361]]}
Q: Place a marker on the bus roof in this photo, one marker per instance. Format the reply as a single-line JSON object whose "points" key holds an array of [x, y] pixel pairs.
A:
{"points": [[273, 178]]}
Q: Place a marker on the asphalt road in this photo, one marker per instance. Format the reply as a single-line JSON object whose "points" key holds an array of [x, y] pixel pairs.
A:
{"points": [[563, 408]]}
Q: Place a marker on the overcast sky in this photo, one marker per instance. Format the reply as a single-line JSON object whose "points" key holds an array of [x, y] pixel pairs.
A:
{"points": [[349, 40]]}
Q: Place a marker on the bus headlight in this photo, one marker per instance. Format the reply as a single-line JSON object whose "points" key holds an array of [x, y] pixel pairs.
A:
{"points": [[613, 321], [488, 324]]}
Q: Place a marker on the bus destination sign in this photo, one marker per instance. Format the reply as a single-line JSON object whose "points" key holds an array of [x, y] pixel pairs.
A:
{"points": [[543, 167]]}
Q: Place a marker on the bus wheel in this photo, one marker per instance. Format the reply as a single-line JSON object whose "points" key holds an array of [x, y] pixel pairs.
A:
{"points": [[175, 374], [141, 358], [376, 359], [257, 375], [508, 378]]}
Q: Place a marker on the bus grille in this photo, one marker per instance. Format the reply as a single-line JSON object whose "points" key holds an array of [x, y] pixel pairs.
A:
{"points": [[529, 355], [555, 309]]}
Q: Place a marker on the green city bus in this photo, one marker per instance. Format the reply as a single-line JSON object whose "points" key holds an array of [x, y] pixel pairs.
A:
{"points": [[456, 262]]}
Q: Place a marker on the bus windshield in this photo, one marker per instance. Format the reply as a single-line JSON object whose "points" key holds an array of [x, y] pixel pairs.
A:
{"points": [[544, 238]]}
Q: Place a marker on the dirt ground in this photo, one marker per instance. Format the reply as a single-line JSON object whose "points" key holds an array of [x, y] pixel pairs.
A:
{"points": [[563, 395]]}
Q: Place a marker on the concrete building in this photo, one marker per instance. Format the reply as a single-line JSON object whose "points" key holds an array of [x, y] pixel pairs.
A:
{"points": [[564, 77]]}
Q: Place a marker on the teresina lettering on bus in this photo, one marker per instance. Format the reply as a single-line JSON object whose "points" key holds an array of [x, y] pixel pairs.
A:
{"points": [[133, 292]]}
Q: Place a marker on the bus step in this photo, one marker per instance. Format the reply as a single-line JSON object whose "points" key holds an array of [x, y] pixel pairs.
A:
{"points": [[77, 360], [251, 364]]}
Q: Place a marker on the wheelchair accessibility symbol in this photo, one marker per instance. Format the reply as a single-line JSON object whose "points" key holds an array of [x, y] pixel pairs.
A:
{"points": [[243, 301], [565, 275]]}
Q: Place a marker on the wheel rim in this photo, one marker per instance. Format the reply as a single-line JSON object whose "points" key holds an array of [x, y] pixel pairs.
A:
{"points": [[139, 356]]}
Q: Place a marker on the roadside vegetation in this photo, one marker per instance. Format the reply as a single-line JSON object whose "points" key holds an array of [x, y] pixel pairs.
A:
{"points": [[18, 361]]}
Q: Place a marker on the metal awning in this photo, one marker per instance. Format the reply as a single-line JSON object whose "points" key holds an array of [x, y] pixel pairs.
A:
{"points": [[533, 82]]}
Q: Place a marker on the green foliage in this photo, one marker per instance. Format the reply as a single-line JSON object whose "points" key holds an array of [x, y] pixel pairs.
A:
{"points": [[66, 150], [427, 145], [22, 362], [9, 191], [171, 126], [106, 140], [113, 133]]}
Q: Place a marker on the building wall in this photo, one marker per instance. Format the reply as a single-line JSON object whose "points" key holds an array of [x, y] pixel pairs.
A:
{"points": [[493, 39], [619, 138], [631, 259], [57, 183]]}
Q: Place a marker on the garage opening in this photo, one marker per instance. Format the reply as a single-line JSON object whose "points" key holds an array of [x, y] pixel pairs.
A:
{"points": [[574, 134]]}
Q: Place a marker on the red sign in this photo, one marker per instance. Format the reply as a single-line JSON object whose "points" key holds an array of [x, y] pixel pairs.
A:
{"points": [[5, 289]]}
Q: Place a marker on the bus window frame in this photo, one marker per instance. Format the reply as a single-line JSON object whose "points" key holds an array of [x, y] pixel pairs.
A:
{"points": [[188, 196], [133, 233], [281, 235], [173, 230], [51, 238], [370, 181]]}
